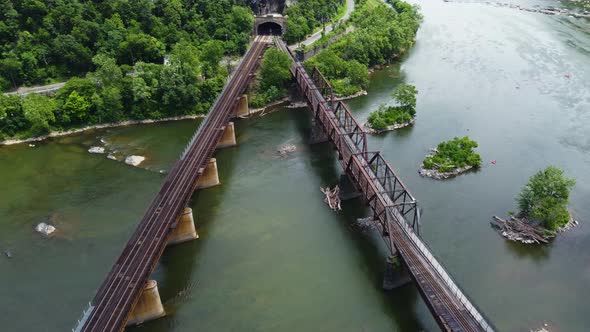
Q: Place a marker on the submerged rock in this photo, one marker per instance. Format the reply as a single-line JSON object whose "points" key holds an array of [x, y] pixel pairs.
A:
{"points": [[284, 150], [111, 157], [96, 149], [45, 229], [134, 160]]}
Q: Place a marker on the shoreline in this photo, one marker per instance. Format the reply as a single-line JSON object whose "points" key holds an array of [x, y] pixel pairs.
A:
{"points": [[370, 130], [523, 230], [260, 111], [54, 134], [438, 175]]}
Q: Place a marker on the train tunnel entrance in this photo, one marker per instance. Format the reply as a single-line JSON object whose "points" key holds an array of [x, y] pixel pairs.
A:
{"points": [[270, 28]]}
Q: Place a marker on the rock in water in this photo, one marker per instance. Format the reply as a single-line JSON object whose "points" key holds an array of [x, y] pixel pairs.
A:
{"points": [[284, 150], [96, 149], [111, 157], [134, 160], [45, 229]]}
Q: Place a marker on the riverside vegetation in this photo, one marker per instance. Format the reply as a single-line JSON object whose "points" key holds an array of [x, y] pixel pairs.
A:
{"points": [[382, 33], [451, 158], [113, 52], [394, 117], [120, 45], [273, 78]]}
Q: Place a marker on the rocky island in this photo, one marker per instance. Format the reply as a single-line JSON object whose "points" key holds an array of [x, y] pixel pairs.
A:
{"points": [[388, 118], [542, 207], [450, 159]]}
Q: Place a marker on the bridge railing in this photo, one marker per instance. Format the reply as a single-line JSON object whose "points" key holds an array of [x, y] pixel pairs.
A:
{"points": [[452, 286], [85, 314], [402, 206], [228, 80]]}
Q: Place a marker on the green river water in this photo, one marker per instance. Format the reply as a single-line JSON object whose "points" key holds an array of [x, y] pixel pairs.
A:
{"points": [[271, 255]]}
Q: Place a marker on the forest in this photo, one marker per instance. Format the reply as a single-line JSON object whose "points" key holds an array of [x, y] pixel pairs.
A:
{"points": [[112, 53], [306, 15], [45, 41], [382, 33]]}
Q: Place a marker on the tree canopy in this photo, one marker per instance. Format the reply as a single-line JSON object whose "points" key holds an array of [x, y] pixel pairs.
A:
{"points": [[453, 154], [545, 197], [274, 78], [306, 15], [404, 112], [381, 34], [44, 41]]}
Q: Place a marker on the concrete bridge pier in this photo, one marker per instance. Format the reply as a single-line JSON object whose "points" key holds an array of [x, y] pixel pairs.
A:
{"points": [[185, 228], [317, 134], [242, 109], [229, 136], [209, 176], [149, 305], [395, 274], [348, 190]]}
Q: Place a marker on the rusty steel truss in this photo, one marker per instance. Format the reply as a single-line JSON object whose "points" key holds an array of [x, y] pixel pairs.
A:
{"points": [[392, 204]]}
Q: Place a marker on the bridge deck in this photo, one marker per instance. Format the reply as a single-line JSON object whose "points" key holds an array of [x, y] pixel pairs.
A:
{"points": [[392, 204], [119, 292]]}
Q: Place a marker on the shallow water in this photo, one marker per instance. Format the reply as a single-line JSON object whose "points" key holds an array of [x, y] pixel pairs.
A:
{"points": [[271, 256]]}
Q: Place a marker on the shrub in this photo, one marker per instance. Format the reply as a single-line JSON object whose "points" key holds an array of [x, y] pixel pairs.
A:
{"points": [[545, 198], [453, 154], [405, 96]]}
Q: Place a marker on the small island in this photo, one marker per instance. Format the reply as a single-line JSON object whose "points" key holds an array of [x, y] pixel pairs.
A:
{"points": [[542, 207], [450, 159], [395, 117]]}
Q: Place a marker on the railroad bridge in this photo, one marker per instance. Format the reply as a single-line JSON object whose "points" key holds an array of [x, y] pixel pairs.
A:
{"points": [[128, 296]]}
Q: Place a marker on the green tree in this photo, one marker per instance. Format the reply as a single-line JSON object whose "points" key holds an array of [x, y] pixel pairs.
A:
{"points": [[275, 69], [12, 117], [75, 109], [211, 54], [11, 68], [405, 95], [38, 110], [140, 47], [454, 154], [73, 54], [545, 197]]}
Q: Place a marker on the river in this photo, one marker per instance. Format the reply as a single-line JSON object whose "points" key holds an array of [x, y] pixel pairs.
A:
{"points": [[271, 256]]}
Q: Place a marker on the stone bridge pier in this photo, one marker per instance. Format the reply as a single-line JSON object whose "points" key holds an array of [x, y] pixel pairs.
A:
{"points": [[149, 306]]}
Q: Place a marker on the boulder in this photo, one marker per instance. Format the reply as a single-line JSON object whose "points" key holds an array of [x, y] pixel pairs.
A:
{"points": [[45, 229], [96, 149], [134, 160]]}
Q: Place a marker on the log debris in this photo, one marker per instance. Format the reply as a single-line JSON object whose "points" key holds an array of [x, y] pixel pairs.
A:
{"points": [[332, 197], [521, 230]]}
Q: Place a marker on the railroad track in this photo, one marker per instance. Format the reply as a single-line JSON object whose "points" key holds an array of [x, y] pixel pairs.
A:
{"points": [[449, 306], [119, 292]]}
